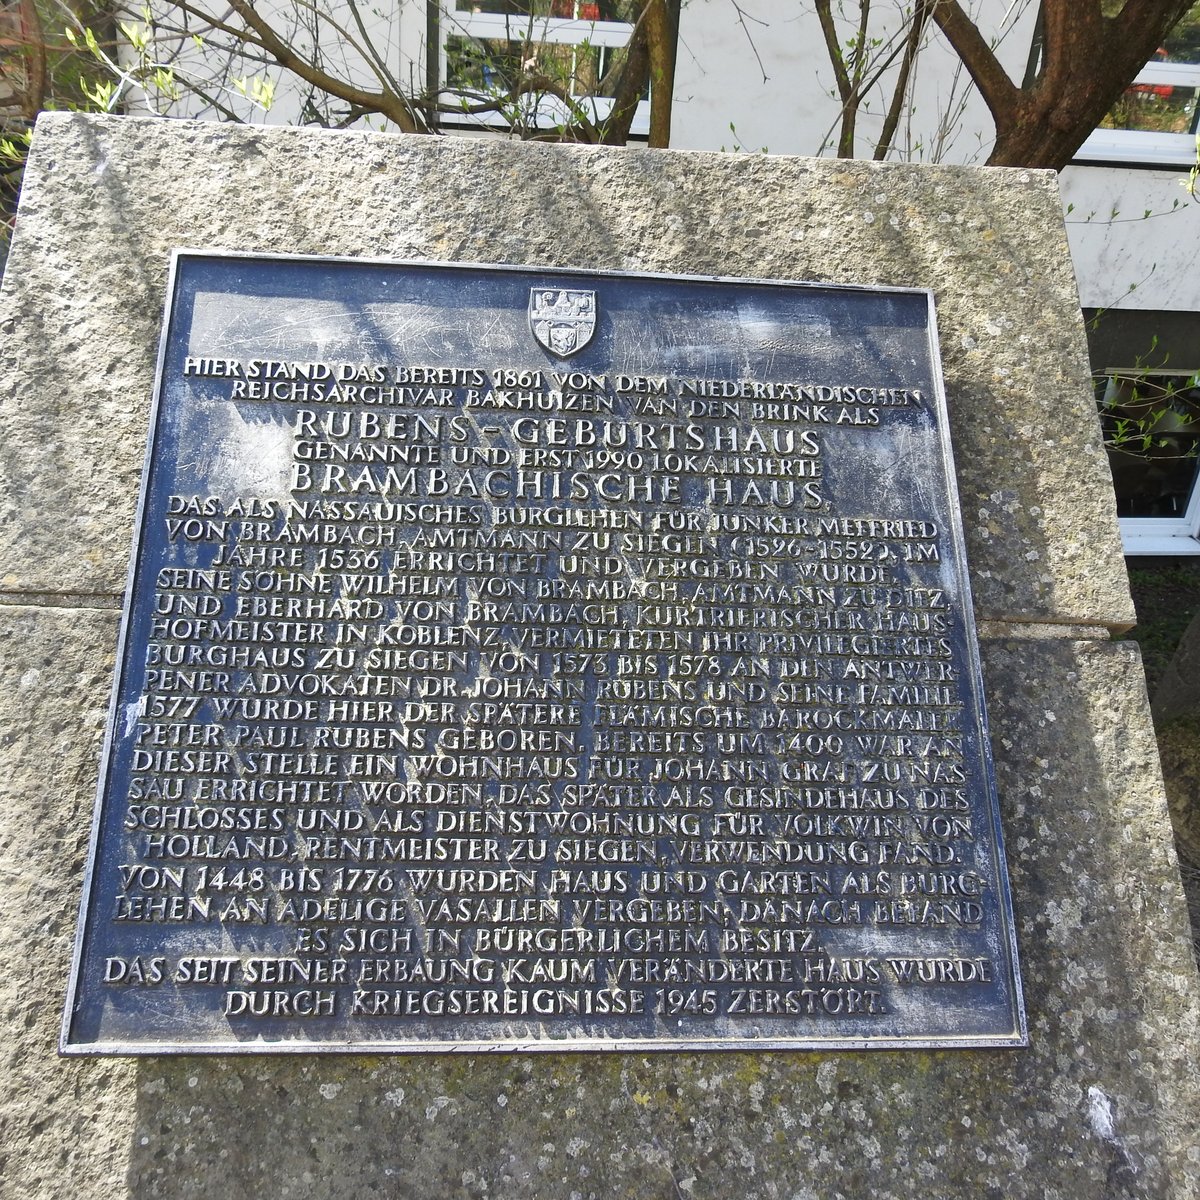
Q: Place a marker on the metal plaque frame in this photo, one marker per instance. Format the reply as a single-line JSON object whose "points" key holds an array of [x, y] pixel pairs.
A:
{"points": [[179, 941]]}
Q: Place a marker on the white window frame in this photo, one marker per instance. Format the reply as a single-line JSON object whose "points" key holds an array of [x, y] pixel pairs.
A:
{"points": [[548, 111], [1175, 536], [1162, 536], [1144, 146]]}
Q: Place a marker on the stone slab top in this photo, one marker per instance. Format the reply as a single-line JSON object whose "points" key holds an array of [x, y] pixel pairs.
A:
{"points": [[106, 200]]}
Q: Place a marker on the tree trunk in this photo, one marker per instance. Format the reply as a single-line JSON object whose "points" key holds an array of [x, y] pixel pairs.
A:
{"points": [[662, 38], [1088, 60]]}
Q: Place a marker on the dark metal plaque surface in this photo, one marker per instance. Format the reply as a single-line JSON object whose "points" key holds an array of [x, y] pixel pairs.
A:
{"points": [[528, 659]]}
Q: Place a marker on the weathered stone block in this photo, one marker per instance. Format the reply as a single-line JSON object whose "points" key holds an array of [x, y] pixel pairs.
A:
{"points": [[1102, 1103]]}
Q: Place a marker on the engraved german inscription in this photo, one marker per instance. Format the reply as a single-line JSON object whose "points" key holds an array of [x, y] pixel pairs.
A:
{"points": [[540, 660]]}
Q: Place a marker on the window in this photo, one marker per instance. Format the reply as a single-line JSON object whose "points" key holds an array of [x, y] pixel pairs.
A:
{"points": [[578, 46], [1157, 119], [1151, 424]]}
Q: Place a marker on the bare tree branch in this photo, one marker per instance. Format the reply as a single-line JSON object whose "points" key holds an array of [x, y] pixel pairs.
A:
{"points": [[388, 104], [531, 85], [841, 77], [998, 91], [367, 46], [858, 55], [912, 45], [241, 34], [34, 92]]}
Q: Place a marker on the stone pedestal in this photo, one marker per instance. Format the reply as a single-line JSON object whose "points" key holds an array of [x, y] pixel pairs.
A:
{"points": [[1103, 1102]]}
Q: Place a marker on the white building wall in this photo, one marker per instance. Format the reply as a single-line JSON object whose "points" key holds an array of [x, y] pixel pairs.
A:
{"points": [[1135, 238], [758, 76]]}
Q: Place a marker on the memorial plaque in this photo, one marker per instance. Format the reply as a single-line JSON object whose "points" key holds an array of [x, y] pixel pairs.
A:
{"points": [[533, 659]]}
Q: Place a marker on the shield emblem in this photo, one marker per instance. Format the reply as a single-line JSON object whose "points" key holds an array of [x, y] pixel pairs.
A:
{"points": [[562, 319]]}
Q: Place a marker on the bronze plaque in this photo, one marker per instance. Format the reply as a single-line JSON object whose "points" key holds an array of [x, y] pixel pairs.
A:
{"points": [[542, 660]]}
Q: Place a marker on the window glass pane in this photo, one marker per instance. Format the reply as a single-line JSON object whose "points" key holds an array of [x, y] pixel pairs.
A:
{"points": [[493, 65], [483, 65], [1152, 430], [1159, 107], [1154, 108], [579, 10], [515, 8]]}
